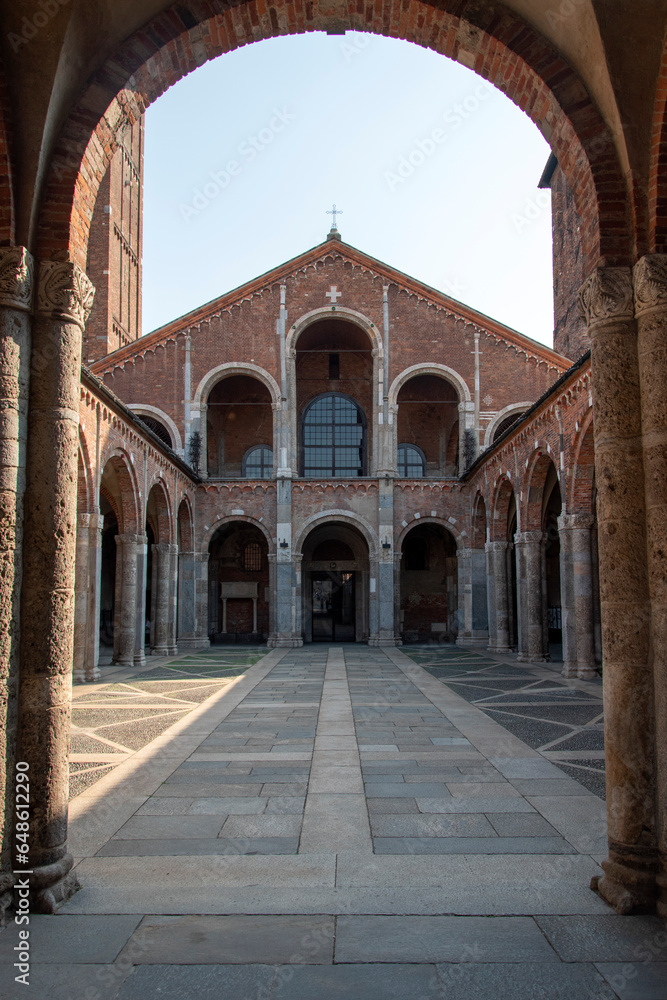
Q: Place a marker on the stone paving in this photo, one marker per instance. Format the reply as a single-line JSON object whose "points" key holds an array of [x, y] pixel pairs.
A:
{"points": [[336, 822]]}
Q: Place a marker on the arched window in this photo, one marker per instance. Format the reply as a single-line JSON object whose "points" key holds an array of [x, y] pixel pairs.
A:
{"points": [[411, 461], [333, 438], [258, 462]]}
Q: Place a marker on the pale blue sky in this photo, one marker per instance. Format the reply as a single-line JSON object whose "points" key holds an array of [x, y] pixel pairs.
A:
{"points": [[435, 171]]}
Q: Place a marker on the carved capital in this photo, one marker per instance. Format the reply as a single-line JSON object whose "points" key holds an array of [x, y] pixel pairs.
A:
{"points": [[17, 269], [650, 276], [64, 292], [607, 295], [575, 522]]}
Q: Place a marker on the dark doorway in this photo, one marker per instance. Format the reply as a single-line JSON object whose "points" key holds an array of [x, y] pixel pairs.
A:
{"points": [[333, 607]]}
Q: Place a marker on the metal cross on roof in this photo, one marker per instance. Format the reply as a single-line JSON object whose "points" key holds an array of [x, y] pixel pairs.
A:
{"points": [[335, 212]]}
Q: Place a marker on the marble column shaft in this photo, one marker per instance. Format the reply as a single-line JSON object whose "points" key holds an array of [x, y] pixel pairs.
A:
{"points": [[64, 299], [173, 600], [606, 301], [16, 292], [650, 289], [501, 596]]}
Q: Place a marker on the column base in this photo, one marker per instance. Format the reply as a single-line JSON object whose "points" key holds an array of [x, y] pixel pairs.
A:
{"points": [[87, 676], [587, 673], [569, 669], [284, 641], [160, 651], [139, 659], [499, 649], [52, 885], [172, 651], [629, 882], [193, 642], [379, 641], [123, 661]]}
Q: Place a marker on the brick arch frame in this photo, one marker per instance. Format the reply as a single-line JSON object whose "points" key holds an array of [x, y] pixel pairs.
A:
{"points": [[164, 515], [127, 512], [496, 42], [185, 522], [457, 382], [228, 370], [581, 493], [346, 517], [447, 525], [499, 511], [85, 492], [220, 522], [343, 314], [657, 192], [479, 522], [533, 491]]}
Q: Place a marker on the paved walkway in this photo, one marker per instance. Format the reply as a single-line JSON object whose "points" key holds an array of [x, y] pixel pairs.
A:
{"points": [[334, 823]]}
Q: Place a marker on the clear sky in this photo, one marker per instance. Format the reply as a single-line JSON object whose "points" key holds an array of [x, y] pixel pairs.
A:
{"points": [[434, 170]]}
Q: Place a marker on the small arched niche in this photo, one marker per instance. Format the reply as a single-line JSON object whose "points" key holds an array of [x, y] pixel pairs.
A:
{"points": [[239, 419], [428, 417]]}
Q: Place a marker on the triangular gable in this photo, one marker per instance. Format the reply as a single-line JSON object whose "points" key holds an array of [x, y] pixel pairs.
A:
{"points": [[331, 248]]}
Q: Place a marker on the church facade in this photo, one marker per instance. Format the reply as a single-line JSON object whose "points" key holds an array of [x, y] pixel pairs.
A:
{"points": [[336, 452]]}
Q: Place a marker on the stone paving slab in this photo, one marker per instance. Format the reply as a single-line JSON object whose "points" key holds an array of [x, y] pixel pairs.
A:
{"points": [[357, 982], [632, 981], [607, 938], [441, 939], [472, 845], [65, 982], [523, 981], [80, 940], [237, 940]]}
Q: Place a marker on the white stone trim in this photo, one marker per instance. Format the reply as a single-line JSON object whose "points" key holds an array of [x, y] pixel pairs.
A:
{"points": [[217, 374], [348, 517], [448, 374], [340, 313], [500, 416]]}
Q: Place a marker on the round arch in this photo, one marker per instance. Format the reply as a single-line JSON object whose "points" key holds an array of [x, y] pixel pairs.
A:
{"points": [[185, 525], [215, 375], [154, 411], [342, 313], [582, 485], [159, 493], [448, 374], [220, 522], [507, 411], [129, 489], [347, 517], [503, 492], [540, 463], [86, 502], [453, 531], [517, 59]]}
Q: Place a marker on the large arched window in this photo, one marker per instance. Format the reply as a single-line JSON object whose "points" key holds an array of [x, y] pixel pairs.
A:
{"points": [[333, 438], [258, 462], [411, 461]]}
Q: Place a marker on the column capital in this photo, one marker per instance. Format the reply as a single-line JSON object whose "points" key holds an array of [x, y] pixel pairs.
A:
{"points": [[501, 546], [650, 280], [64, 291], [529, 538], [17, 278], [607, 295], [573, 522]]}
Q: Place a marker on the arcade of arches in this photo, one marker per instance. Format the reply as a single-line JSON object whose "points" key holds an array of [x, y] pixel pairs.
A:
{"points": [[351, 494]]}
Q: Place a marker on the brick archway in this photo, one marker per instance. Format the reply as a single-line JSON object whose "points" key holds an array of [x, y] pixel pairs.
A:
{"points": [[497, 44]]}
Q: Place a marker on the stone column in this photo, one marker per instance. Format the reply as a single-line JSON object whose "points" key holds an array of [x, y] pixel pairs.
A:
{"points": [[81, 589], [16, 291], [173, 599], [464, 564], [126, 598], [650, 283], [140, 601], [162, 577], [491, 596], [480, 610], [386, 635], [501, 589], [606, 300], [287, 619], [64, 300], [94, 586], [576, 587], [186, 600], [530, 551]]}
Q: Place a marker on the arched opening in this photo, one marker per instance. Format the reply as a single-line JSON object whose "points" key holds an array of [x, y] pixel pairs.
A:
{"points": [[238, 581], [429, 585], [511, 574], [159, 597], [110, 530], [428, 418], [505, 425], [239, 423], [185, 586], [478, 572], [334, 399], [117, 571], [335, 572]]}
